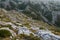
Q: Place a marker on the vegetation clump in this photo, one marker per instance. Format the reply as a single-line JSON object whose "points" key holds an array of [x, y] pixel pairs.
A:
{"points": [[9, 26], [3, 17], [30, 37], [5, 33]]}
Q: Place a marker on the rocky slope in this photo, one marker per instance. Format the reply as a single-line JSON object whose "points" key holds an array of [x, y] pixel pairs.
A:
{"points": [[29, 20], [37, 8], [17, 26]]}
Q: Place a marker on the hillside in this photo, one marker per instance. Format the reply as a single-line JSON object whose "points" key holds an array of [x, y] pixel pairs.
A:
{"points": [[29, 20], [47, 10], [17, 26]]}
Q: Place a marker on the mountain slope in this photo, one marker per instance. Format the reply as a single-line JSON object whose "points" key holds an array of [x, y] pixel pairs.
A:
{"points": [[29, 20], [49, 11], [23, 27]]}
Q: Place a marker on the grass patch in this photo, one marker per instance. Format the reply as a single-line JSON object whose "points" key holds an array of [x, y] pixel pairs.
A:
{"points": [[5, 33], [55, 31], [5, 18], [31, 37], [9, 26]]}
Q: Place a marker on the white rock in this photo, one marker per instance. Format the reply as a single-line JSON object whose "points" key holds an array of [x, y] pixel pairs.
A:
{"points": [[47, 35], [24, 30]]}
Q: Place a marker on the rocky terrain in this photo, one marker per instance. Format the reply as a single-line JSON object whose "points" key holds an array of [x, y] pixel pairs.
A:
{"points": [[17, 26], [37, 8], [29, 20]]}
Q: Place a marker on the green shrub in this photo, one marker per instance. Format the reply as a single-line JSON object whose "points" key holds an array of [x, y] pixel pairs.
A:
{"points": [[4, 33]]}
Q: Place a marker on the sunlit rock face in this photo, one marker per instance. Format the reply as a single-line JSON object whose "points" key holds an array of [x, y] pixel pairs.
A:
{"points": [[47, 35], [24, 30]]}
